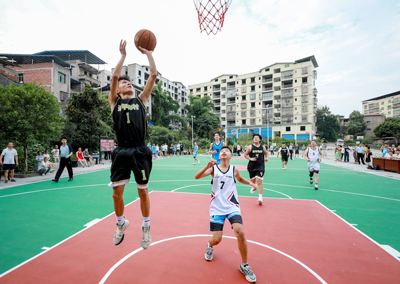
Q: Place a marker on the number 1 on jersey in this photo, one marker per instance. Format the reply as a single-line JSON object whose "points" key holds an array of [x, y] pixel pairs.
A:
{"points": [[127, 116]]}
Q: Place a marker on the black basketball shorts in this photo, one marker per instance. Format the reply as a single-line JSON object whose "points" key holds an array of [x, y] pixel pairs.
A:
{"points": [[284, 158], [254, 174], [135, 159]]}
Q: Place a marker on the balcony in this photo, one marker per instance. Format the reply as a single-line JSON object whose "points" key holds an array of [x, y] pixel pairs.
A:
{"points": [[266, 80], [277, 88], [396, 106], [287, 114], [304, 99], [231, 87], [216, 97], [304, 109], [231, 116], [217, 104], [277, 105], [287, 86], [277, 79], [231, 124], [265, 121], [252, 113], [267, 89], [304, 118], [216, 89], [230, 101], [287, 120], [287, 104]]}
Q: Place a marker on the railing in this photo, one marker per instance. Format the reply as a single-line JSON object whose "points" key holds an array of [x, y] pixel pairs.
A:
{"points": [[287, 77], [287, 86], [287, 95], [287, 104], [286, 114], [216, 89], [230, 87], [267, 89], [395, 106], [267, 80], [304, 99]]}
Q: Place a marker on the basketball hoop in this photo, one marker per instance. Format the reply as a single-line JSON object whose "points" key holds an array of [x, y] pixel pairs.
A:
{"points": [[211, 14]]}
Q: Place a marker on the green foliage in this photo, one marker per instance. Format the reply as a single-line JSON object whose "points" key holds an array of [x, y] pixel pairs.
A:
{"points": [[327, 123], [203, 143], [389, 128], [160, 135], [356, 125], [162, 104], [204, 122], [29, 114], [85, 123]]}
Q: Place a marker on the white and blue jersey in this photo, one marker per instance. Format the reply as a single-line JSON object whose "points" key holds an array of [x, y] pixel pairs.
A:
{"points": [[218, 149], [196, 149]]}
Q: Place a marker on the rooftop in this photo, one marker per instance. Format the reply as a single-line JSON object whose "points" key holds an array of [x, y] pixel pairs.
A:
{"points": [[16, 59], [382, 97], [82, 55]]}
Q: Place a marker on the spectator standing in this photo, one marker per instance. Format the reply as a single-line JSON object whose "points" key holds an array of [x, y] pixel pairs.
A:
{"points": [[296, 151], [342, 152], [337, 154], [56, 154], [10, 161], [384, 149], [46, 154], [291, 151], [368, 155], [44, 167], [65, 161], [181, 148], [360, 152], [178, 148], [346, 154]]}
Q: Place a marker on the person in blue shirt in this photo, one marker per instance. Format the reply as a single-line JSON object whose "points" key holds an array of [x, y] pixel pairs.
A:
{"points": [[66, 152], [360, 152], [195, 152], [154, 151], [216, 146], [384, 149], [174, 149], [149, 146]]}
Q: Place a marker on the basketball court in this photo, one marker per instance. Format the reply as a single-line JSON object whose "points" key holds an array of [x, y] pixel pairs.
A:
{"points": [[299, 235]]}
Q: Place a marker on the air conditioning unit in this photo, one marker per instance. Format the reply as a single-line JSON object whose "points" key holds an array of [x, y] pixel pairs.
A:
{"points": [[279, 109], [278, 101]]}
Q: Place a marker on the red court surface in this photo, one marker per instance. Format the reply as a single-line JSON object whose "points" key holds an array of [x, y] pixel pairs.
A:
{"points": [[289, 241]]}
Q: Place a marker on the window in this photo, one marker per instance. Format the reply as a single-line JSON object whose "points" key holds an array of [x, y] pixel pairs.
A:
{"points": [[287, 65], [389, 112], [20, 78], [304, 80], [243, 98], [140, 81], [205, 89], [198, 90], [253, 80], [230, 77], [302, 128], [304, 70], [382, 103], [243, 81], [165, 84], [267, 96], [216, 80], [267, 69], [126, 73], [252, 121], [389, 101], [252, 88], [252, 96], [288, 128], [253, 104], [108, 78], [243, 89], [61, 77], [244, 113], [295, 81], [147, 69], [243, 121], [140, 73], [368, 128], [365, 107]]}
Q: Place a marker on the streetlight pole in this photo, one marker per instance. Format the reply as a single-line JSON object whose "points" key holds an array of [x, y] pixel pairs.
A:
{"points": [[192, 130]]}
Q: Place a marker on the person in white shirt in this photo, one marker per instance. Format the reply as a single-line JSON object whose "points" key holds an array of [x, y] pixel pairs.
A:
{"points": [[56, 154], [389, 154], [9, 155], [397, 154], [313, 157], [46, 154], [224, 204], [157, 151], [44, 167]]}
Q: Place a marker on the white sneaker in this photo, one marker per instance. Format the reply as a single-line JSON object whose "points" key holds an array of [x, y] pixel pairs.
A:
{"points": [[248, 273], [253, 189], [146, 238], [260, 201], [194, 163], [119, 234], [316, 187], [42, 174], [198, 161], [209, 252]]}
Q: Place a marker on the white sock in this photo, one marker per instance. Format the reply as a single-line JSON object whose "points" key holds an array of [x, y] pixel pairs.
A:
{"points": [[120, 220], [260, 196], [146, 222]]}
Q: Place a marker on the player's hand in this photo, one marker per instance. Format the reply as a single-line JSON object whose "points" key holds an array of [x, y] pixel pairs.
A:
{"points": [[211, 163], [266, 159], [145, 51], [17, 164], [253, 159], [253, 185], [122, 46]]}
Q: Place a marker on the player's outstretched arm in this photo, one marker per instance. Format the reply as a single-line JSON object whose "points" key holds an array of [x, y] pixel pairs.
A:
{"points": [[241, 179], [112, 97], [266, 155], [145, 95], [206, 171]]}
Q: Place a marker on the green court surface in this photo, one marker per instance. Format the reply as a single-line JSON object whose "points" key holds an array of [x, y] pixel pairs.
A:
{"points": [[44, 213]]}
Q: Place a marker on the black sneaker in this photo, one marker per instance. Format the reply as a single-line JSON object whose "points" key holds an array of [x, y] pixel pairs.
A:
{"points": [[13, 180], [71, 179], [316, 187], [55, 180], [311, 181], [6, 181]]}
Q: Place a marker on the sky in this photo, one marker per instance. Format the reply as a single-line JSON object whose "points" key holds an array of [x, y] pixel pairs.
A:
{"points": [[356, 43]]}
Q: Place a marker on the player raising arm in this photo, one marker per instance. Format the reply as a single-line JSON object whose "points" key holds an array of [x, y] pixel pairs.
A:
{"points": [[129, 117], [224, 203]]}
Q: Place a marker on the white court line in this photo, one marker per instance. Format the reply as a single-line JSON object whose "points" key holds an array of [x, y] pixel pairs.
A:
{"points": [[45, 248], [91, 223], [104, 279], [365, 235], [334, 191], [189, 186], [391, 251], [56, 245], [268, 190]]}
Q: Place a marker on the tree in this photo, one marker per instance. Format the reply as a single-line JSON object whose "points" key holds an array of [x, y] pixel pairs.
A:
{"points": [[204, 122], [327, 123], [29, 114], [389, 128], [85, 112], [356, 125], [162, 104]]}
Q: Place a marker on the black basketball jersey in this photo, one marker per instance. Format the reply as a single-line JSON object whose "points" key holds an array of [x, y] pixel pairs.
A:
{"points": [[129, 116], [284, 151], [258, 153]]}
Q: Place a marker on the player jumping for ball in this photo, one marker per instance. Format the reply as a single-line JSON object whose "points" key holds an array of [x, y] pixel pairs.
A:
{"points": [[129, 116], [313, 157], [224, 203], [257, 155], [216, 146]]}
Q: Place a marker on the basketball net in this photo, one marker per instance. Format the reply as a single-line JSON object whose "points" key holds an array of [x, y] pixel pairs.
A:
{"points": [[211, 14]]}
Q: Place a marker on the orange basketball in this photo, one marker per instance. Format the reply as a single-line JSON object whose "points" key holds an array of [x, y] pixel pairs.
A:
{"points": [[145, 39]]}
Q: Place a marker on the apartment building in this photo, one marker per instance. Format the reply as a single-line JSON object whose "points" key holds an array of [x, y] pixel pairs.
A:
{"points": [[388, 104], [61, 72], [139, 75], [277, 100]]}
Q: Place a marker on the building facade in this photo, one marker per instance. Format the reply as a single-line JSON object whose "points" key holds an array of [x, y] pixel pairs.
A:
{"points": [[139, 75], [388, 104], [372, 121], [277, 100]]}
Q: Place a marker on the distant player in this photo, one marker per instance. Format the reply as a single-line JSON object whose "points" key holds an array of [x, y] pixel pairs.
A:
{"points": [[129, 117], [224, 203], [195, 152], [257, 155], [216, 146], [284, 152], [313, 157]]}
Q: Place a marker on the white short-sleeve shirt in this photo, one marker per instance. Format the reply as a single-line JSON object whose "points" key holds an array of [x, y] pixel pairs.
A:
{"points": [[9, 156]]}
